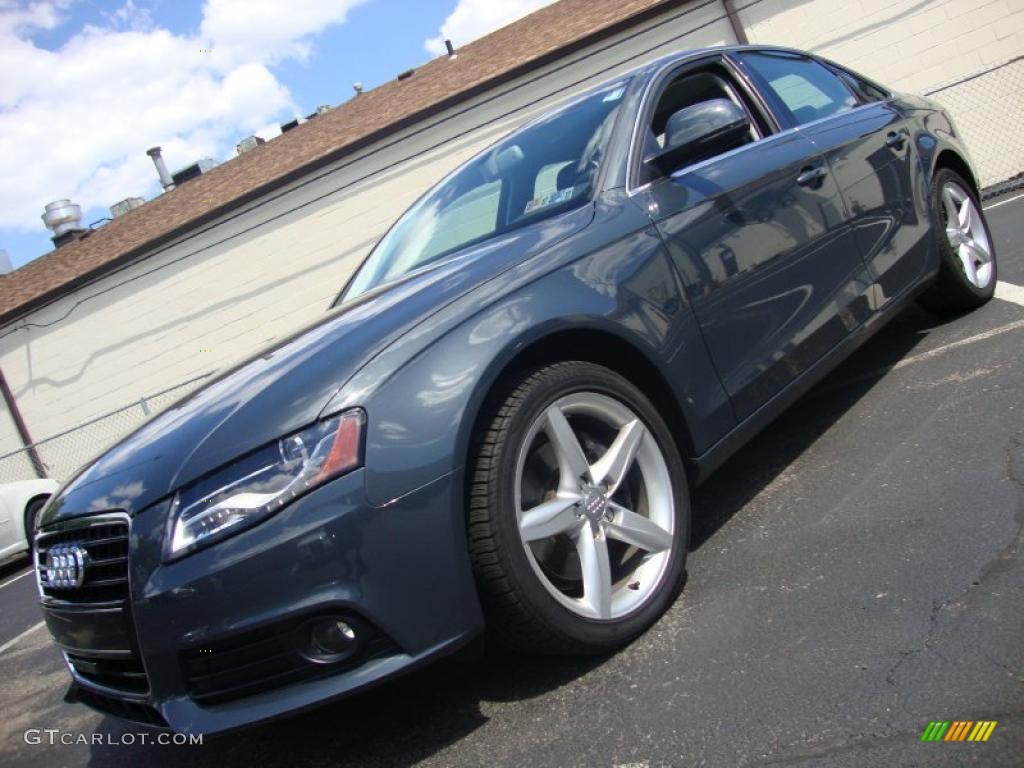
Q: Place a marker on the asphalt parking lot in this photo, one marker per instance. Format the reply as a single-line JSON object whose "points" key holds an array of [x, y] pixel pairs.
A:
{"points": [[857, 572]]}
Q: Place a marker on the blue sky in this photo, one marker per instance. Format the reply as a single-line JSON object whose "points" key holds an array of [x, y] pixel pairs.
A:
{"points": [[89, 85]]}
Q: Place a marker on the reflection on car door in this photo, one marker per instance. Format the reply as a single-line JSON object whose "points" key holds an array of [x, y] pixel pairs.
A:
{"points": [[870, 151], [772, 269]]}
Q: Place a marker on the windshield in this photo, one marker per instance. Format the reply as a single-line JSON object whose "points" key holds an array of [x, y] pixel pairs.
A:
{"points": [[544, 169]]}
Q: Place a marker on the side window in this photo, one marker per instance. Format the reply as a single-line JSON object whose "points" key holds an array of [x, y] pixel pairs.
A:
{"points": [[866, 91], [688, 89], [806, 88]]}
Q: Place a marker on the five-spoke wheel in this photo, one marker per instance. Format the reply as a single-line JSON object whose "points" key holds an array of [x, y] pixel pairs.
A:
{"points": [[967, 260], [615, 512], [578, 512], [967, 234]]}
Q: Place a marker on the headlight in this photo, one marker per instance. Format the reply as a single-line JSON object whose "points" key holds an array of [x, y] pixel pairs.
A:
{"points": [[259, 484]]}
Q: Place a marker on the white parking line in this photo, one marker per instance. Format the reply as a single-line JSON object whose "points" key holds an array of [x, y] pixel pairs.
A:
{"points": [[954, 344], [14, 640], [1006, 292], [880, 372], [19, 576], [1002, 202], [1010, 292]]}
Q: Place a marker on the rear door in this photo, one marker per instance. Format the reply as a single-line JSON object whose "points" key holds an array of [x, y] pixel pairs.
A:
{"points": [[861, 131], [759, 234]]}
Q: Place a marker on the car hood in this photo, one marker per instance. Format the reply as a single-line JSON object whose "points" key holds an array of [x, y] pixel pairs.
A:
{"points": [[286, 386]]}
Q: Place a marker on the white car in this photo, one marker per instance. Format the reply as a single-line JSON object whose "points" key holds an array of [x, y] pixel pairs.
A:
{"points": [[20, 504]]}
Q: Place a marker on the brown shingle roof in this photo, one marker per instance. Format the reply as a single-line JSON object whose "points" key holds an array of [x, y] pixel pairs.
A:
{"points": [[440, 83]]}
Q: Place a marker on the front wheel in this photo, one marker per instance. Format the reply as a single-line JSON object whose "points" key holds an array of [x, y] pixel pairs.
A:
{"points": [[579, 513], [967, 258], [32, 520]]}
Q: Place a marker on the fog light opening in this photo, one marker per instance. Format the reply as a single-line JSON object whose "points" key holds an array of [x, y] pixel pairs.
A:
{"points": [[331, 639]]}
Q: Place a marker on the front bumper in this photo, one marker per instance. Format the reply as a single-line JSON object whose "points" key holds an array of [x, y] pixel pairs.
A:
{"points": [[400, 572]]}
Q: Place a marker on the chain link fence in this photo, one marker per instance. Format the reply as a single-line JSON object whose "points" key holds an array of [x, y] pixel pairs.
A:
{"points": [[988, 108], [63, 453]]}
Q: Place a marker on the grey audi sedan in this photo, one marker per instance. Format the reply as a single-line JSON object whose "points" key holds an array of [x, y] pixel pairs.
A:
{"points": [[497, 426]]}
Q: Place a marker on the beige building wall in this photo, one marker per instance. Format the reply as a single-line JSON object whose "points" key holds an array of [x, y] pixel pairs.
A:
{"points": [[222, 293]]}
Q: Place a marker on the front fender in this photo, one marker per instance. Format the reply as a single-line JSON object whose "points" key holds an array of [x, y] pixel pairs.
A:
{"points": [[423, 394]]}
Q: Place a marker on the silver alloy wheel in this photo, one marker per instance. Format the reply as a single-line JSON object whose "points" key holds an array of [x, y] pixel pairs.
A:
{"points": [[967, 234], [621, 554]]}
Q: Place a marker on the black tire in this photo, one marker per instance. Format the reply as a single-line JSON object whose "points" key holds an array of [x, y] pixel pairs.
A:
{"points": [[32, 518], [521, 614], [952, 292]]}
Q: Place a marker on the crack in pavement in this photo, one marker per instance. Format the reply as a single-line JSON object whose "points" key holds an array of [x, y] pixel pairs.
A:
{"points": [[1015, 474], [1006, 559]]}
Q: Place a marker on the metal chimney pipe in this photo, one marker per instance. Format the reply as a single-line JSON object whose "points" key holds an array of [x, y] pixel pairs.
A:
{"points": [[161, 168], [451, 49]]}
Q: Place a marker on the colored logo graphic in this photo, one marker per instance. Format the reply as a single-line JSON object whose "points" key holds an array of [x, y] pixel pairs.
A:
{"points": [[958, 730]]}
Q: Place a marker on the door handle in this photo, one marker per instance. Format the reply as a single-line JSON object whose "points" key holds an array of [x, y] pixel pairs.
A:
{"points": [[895, 140], [811, 176]]}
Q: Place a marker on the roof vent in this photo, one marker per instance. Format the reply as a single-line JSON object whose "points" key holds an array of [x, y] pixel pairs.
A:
{"points": [[5, 263], [128, 204], [321, 110], [357, 87], [405, 75], [451, 49], [249, 143], [64, 219], [285, 127], [161, 168], [197, 168]]}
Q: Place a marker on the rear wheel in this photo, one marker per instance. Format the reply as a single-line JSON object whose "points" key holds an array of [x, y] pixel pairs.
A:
{"points": [[967, 258], [579, 512]]}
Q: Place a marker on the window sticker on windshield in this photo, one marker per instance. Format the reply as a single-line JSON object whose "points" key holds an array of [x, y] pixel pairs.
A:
{"points": [[614, 95], [543, 202]]}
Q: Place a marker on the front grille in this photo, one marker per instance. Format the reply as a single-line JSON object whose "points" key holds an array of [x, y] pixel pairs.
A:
{"points": [[106, 567], [269, 657], [89, 612]]}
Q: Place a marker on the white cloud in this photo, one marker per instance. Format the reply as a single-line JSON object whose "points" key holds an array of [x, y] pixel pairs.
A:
{"points": [[243, 30], [75, 122], [19, 17], [475, 18], [130, 16]]}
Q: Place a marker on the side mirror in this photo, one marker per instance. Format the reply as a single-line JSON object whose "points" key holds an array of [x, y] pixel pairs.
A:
{"points": [[700, 131]]}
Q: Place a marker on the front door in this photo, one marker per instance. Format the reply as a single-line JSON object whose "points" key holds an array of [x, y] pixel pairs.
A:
{"points": [[759, 234]]}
